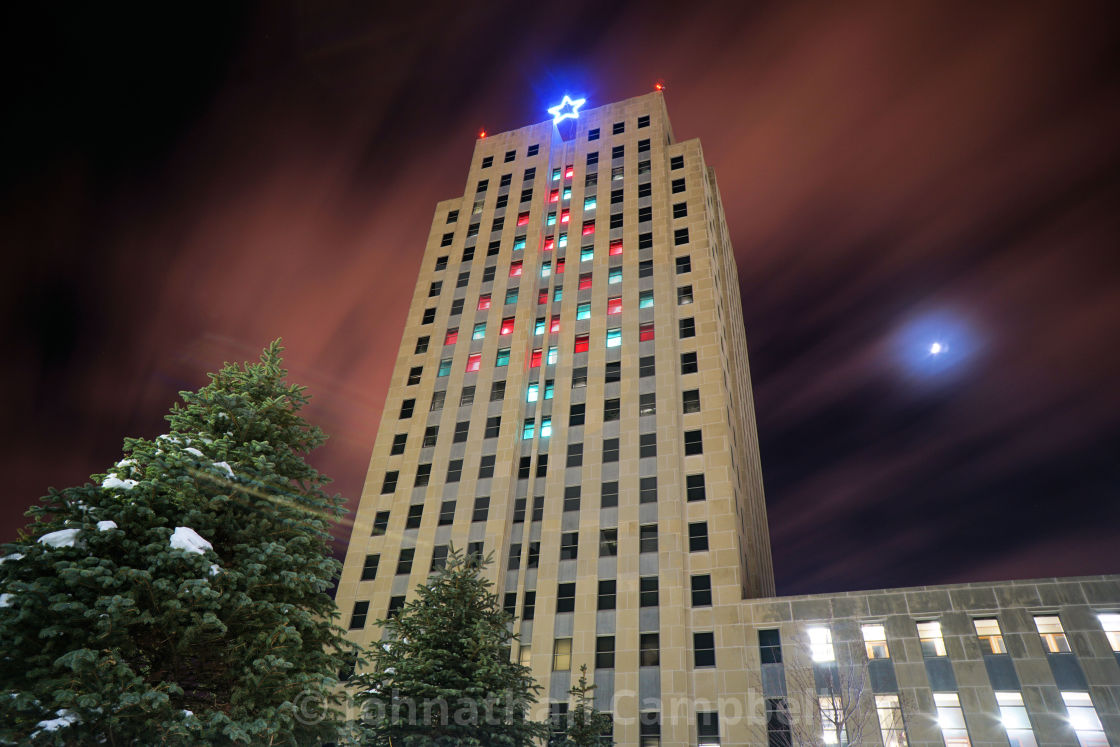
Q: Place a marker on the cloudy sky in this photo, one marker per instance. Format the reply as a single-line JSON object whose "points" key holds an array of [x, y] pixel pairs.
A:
{"points": [[179, 190]]}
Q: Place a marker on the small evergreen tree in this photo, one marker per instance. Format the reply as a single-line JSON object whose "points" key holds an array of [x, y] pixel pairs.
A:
{"points": [[183, 597], [587, 726], [443, 675]]}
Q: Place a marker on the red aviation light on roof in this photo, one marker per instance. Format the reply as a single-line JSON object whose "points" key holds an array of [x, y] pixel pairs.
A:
{"points": [[481, 134]]}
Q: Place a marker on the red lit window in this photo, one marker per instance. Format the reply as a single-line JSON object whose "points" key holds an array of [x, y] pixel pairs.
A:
{"points": [[588, 227], [564, 216], [583, 342], [645, 332], [474, 362], [549, 243], [616, 247], [585, 281], [554, 196], [559, 266], [484, 302], [542, 297], [452, 336], [568, 172], [614, 305], [522, 219], [507, 327], [555, 325], [515, 269], [535, 358]]}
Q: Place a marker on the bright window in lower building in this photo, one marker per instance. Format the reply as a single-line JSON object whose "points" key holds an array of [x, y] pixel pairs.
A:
{"points": [[614, 276], [1110, 623], [832, 719], [583, 311], [565, 216], [549, 244], [554, 324], [563, 242], [990, 636], [444, 367], [820, 644], [519, 243], [893, 730], [546, 427], [548, 389], [484, 302], [1013, 714], [535, 358], [557, 294], [474, 362], [560, 267], [546, 269], [1084, 720], [585, 281], [533, 393], [929, 637], [875, 641], [645, 331], [1053, 635], [503, 357], [538, 326], [479, 331], [452, 337], [562, 655], [588, 227], [614, 305], [616, 248], [586, 253], [645, 300], [527, 428], [515, 269], [950, 717], [588, 204], [614, 337], [507, 327], [551, 220], [583, 343], [567, 192], [553, 355]]}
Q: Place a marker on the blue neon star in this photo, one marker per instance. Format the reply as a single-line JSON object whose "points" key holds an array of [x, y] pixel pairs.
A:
{"points": [[558, 113]]}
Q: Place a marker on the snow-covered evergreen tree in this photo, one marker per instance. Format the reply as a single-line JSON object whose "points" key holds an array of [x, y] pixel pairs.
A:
{"points": [[442, 676], [182, 597]]}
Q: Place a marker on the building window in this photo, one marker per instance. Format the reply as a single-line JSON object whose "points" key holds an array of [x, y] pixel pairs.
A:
{"points": [[452, 336], [647, 445], [1110, 623], [431, 433], [618, 128], [929, 636], [608, 495], [389, 484], [680, 210], [875, 641], [542, 465], [614, 276], [1053, 635], [647, 538], [421, 345], [493, 427], [380, 524], [702, 590], [614, 305], [649, 650], [481, 508], [698, 536], [565, 597], [608, 548], [423, 473], [404, 561], [687, 327], [582, 343], [680, 236], [614, 337], [358, 615], [612, 408], [890, 721], [579, 377], [575, 455], [434, 288], [610, 450], [693, 442], [457, 304], [684, 264], [466, 396], [820, 644], [1084, 720], [576, 414], [527, 430], [645, 299], [990, 636], [398, 444], [461, 430], [691, 400], [515, 269], [678, 186], [604, 652], [528, 606], [532, 150], [707, 728], [474, 362], [454, 470], [647, 591], [647, 490], [444, 367], [407, 408], [446, 513], [369, 569], [583, 311], [950, 717], [647, 404], [414, 375], [562, 655], [571, 498], [1013, 714], [645, 214], [770, 646], [569, 545]]}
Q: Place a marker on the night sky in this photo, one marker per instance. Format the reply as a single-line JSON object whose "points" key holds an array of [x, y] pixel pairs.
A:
{"points": [[179, 190]]}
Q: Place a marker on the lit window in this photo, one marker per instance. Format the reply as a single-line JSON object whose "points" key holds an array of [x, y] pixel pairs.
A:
{"points": [[614, 305], [546, 427], [522, 219], [533, 393], [568, 171], [645, 331], [444, 367], [535, 358], [585, 281], [1053, 635], [929, 636], [562, 655], [538, 327], [556, 175], [553, 354], [1084, 720], [549, 244], [557, 293], [583, 311], [550, 220], [554, 195], [832, 719], [519, 243], [452, 337], [645, 299], [588, 227], [479, 331], [542, 296], [950, 717], [549, 387], [527, 429], [563, 242], [474, 361], [567, 193], [565, 216], [507, 326], [515, 269], [511, 295], [583, 343], [684, 295], [875, 641], [1110, 622], [546, 269], [820, 644], [891, 726], [588, 204], [614, 337], [614, 277], [554, 325], [616, 248], [1013, 714], [503, 357], [586, 253], [991, 638], [560, 266], [484, 302]]}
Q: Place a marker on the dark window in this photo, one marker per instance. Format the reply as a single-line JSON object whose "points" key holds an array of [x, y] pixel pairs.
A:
{"points": [[526, 195], [608, 588], [497, 393], [429, 316], [569, 545], [566, 597], [395, 606], [514, 556], [646, 366], [643, 121], [777, 723], [505, 180], [593, 158], [500, 203], [510, 155], [647, 445], [649, 650], [509, 606], [532, 559], [680, 236], [645, 214], [434, 288], [680, 210], [487, 161], [447, 239], [415, 516], [645, 241], [707, 725], [463, 279], [616, 220], [579, 377], [380, 523], [688, 363], [421, 344], [486, 467], [454, 470], [691, 400], [414, 375], [575, 455], [398, 444], [437, 401], [614, 371], [571, 498], [439, 558], [649, 725], [647, 591], [496, 246], [698, 536], [483, 184], [530, 173], [693, 442], [358, 615], [468, 254], [591, 179], [608, 496], [612, 409], [616, 196], [647, 403], [647, 538], [493, 426], [404, 561], [695, 485], [618, 128], [423, 474], [529, 605], [647, 490], [770, 646], [684, 264], [678, 185], [538, 507], [676, 162], [702, 590], [481, 508], [604, 652], [407, 406], [576, 414], [532, 150], [446, 513], [488, 274], [643, 146], [610, 450], [369, 570], [452, 216], [704, 649], [474, 553], [431, 433], [389, 484], [618, 151], [593, 134], [519, 510], [684, 295], [461, 429]]}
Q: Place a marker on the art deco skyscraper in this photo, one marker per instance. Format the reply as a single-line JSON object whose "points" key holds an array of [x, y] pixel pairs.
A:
{"points": [[572, 393]]}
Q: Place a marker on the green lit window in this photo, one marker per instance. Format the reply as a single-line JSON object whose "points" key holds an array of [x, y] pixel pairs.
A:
{"points": [[511, 295], [645, 299], [533, 394], [556, 175], [586, 253], [557, 293], [518, 244], [479, 331], [614, 337], [567, 193], [527, 429], [563, 241], [503, 357], [546, 269], [444, 367], [548, 387], [538, 328], [551, 220], [553, 352], [589, 204], [546, 427], [583, 311], [614, 276]]}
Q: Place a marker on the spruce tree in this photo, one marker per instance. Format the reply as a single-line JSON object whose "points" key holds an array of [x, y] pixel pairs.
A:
{"points": [[183, 596], [586, 725], [442, 675]]}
